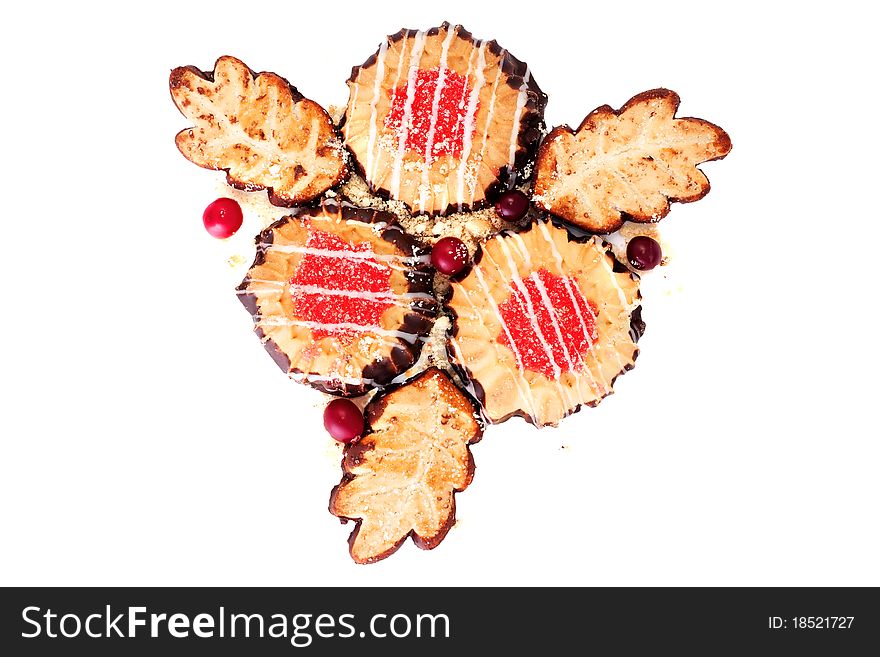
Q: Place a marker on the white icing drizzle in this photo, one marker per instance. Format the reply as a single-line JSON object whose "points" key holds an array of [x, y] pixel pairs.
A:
{"points": [[415, 57], [369, 341], [381, 145], [389, 259], [521, 101], [526, 297], [554, 318], [374, 101], [526, 396], [354, 294], [598, 388], [377, 227], [341, 255], [516, 279], [573, 296], [318, 378], [374, 142], [373, 126], [468, 126], [399, 69], [464, 91], [376, 334], [341, 326], [435, 112], [385, 152], [366, 334], [489, 115], [400, 300], [575, 361], [551, 311], [620, 295]]}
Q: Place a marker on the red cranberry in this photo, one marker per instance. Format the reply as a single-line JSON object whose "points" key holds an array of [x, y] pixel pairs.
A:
{"points": [[222, 217], [643, 252], [343, 420], [449, 256], [512, 205]]}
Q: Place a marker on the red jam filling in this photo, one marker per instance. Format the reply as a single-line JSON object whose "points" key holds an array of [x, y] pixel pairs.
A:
{"points": [[448, 125], [568, 316], [335, 288]]}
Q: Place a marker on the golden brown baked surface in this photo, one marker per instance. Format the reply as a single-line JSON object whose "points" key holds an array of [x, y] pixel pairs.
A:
{"points": [[544, 324], [400, 479], [259, 129], [626, 164], [435, 117], [340, 297]]}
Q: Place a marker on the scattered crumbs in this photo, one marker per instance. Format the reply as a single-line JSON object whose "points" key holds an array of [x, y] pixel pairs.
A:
{"points": [[337, 113], [470, 227], [436, 344], [236, 260]]}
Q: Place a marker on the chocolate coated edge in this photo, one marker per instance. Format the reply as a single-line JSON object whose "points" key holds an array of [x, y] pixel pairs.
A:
{"points": [[636, 331], [403, 355], [651, 94], [531, 123], [354, 451], [174, 81]]}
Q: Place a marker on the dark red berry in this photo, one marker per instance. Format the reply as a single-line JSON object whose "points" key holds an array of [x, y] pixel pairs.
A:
{"points": [[512, 205], [222, 217], [643, 252], [343, 420], [450, 256]]}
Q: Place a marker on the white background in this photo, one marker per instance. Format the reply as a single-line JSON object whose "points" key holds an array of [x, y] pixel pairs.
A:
{"points": [[147, 439]]}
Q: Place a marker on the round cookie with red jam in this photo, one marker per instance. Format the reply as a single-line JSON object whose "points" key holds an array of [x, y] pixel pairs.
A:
{"points": [[435, 119], [544, 324], [341, 297]]}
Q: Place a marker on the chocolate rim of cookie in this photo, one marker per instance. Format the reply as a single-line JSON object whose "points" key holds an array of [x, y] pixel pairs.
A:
{"points": [[353, 452], [471, 380], [724, 147], [417, 320], [176, 81], [529, 131]]}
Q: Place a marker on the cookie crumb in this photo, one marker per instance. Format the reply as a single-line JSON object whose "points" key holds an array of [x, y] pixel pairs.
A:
{"points": [[470, 227], [236, 260]]}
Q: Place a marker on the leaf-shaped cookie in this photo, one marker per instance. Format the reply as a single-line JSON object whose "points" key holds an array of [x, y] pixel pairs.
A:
{"points": [[259, 129], [626, 164], [400, 478]]}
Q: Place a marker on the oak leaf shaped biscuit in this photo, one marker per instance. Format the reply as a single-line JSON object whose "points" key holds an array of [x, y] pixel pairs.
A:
{"points": [[259, 129], [400, 478], [626, 164]]}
